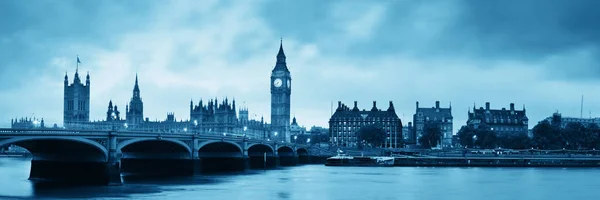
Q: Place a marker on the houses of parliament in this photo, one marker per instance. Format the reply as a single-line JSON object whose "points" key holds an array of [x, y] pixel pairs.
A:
{"points": [[218, 116]]}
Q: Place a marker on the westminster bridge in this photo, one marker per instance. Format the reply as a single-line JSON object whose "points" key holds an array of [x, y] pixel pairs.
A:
{"points": [[101, 157]]}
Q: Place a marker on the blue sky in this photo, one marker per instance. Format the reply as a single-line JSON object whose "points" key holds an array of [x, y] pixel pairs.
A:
{"points": [[539, 53]]}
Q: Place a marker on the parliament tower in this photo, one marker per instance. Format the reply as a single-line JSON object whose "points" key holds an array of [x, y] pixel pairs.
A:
{"points": [[76, 100], [281, 90]]}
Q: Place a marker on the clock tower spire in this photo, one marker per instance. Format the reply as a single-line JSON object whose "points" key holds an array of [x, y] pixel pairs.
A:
{"points": [[281, 90]]}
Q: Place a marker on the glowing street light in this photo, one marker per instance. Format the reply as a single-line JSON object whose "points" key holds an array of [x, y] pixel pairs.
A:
{"points": [[125, 125], [308, 140], [184, 129]]}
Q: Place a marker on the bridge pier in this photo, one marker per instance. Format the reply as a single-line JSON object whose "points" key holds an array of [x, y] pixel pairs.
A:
{"points": [[113, 164], [113, 172]]}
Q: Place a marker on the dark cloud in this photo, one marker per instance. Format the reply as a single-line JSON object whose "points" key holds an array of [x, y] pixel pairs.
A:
{"points": [[530, 29], [33, 33]]}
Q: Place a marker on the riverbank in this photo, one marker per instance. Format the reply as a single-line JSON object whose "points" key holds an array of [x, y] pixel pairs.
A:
{"points": [[431, 161], [498, 161]]}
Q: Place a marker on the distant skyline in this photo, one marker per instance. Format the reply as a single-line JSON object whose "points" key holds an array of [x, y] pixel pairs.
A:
{"points": [[543, 54]]}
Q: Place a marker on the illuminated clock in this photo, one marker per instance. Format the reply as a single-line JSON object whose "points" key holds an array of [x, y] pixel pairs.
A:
{"points": [[277, 83]]}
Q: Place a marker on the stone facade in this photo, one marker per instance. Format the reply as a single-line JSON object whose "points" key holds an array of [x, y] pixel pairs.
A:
{"points": [[442, 116], [504, 122], [345, 123]]}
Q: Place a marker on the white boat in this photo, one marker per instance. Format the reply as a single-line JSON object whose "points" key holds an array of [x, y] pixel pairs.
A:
{"points": [[385, 161]]}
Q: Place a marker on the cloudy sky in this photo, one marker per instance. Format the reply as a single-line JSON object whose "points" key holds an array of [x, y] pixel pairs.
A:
{"points": [[543, 54]]}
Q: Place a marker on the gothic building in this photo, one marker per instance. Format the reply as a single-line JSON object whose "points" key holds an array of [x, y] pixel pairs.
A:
{"points": [[281, 89], [345, 123], [135, 110], [113, 113], [214, 117], [76, 100], [504, 122], [441, 116], [27, 123]]}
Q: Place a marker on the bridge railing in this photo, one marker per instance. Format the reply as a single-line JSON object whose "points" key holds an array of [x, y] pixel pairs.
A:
{"points": [[205, 134], [48, 131]]}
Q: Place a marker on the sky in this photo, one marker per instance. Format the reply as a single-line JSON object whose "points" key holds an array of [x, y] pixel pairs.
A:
{"points": [[541, 54]]}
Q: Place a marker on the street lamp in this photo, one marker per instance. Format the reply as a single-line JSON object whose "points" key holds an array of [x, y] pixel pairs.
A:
{"points": [[184, 129], [245, 129], [125, 125], [195, 126], [308, 141], [295, 138], [114, 118]]}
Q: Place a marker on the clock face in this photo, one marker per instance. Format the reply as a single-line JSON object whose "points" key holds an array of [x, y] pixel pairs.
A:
{"points": [[289, 83], [277, 83]]}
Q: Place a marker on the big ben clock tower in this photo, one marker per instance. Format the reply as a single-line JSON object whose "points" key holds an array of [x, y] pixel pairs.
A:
{"points": [[281, 89]]}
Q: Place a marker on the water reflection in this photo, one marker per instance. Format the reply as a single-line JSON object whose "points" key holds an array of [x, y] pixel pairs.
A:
{"points": [[320, 182]]}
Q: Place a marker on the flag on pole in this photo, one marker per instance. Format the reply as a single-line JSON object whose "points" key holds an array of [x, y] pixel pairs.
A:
{"points": [[78, 61]]}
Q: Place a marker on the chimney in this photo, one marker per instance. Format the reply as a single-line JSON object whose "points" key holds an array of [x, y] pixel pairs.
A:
{"points": [[487, 105], [417, 105], [339, 104], [437, 104], [512, 106], [374, 104], [355, 104]]}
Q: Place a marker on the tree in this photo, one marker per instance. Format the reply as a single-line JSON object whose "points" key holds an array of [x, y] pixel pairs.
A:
{"points": [[574, 135], [515, 142], [371, 134], [592, 140], [465, 136], [432, 135], [547, 136], [485, 137]]}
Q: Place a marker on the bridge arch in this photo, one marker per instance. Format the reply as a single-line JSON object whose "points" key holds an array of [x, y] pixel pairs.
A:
{"points": [[301, 150], [84, 142], [282, 149], [212, 142], [179, 143], [255, 145]]}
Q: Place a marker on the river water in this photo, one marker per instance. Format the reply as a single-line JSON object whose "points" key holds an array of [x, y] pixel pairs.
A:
{"points": [[320, 182]]}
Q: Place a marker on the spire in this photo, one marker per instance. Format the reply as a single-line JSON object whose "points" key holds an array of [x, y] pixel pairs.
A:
{"points": [[233, 105], [136, 87], [281, 54], [110, 105], [294, 121], [281, 65], [66, 78], [87, 78]]}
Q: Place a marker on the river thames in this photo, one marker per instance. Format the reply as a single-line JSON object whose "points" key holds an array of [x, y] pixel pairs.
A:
{"points": [[320, 182]]}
